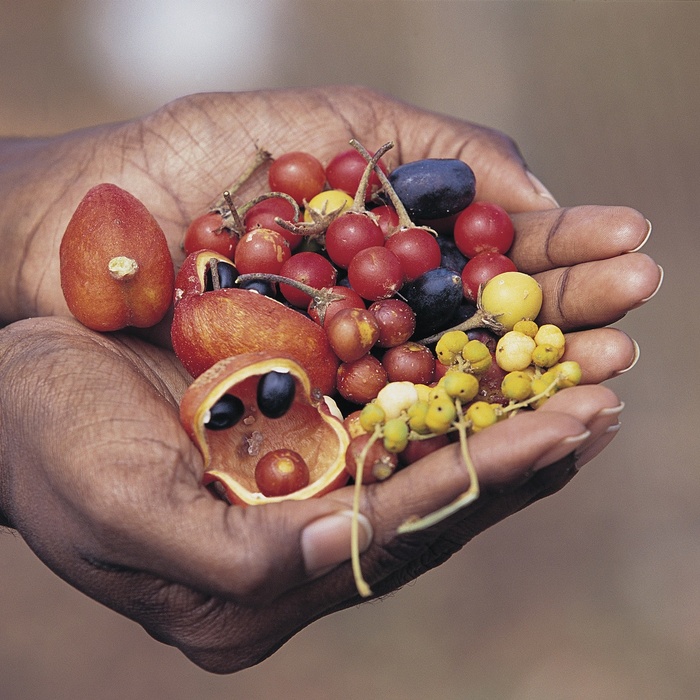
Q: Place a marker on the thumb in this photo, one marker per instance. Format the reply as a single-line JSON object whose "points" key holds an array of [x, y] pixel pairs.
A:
{"points": [[254, 554]]}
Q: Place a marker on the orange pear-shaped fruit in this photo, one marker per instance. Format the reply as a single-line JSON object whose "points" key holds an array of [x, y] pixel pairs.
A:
{"points": [[116, 269]]}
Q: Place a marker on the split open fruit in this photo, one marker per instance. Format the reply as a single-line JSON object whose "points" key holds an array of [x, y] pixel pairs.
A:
{"points": [[232, 454]]}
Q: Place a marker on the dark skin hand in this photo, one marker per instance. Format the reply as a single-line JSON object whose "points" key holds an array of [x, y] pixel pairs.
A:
{"points": [[102, 482]]}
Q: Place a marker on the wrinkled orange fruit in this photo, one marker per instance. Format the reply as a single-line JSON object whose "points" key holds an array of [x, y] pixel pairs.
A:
{"points": [[231, 455]]}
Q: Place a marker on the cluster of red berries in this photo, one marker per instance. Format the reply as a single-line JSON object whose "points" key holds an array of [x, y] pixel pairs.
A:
{"points": [[337, 243]]}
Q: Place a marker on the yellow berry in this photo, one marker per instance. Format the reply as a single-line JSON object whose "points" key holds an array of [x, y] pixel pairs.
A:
{"points": [[511, 297], [545, 355], [438, 391], [423, 391], [450, 345], [440, 415], [477, 355], [568, 373], [549, 334], [461, 385], [416, 416], [370, 416], [541, 386], [481, 414], [514, 351], [527, 327], [326, 202], [517, 386], [395, 433]]}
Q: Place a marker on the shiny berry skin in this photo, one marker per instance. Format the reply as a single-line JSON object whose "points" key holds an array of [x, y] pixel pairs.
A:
{"points": [[350, 300], [225, 413], [349, 234], [281, 472], [375, 273], [275, 393], [310, 268], [410, 362], [264, 213], [483, 227], [208, 232], [360, 381], [417, 249], [344, 172], [396, 320], [434, 188], [511, 297], [298, 174], [387, 219], [481, 269], [352, 333], [261, 250]]}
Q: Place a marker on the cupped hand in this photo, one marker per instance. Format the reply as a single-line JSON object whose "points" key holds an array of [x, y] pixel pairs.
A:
{"points": [[180, 159], [104, 485]]}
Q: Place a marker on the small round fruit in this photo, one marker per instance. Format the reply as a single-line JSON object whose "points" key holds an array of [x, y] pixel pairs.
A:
{"points": [[208, 232], [396, 320], [352, 333], [411, 362], [298, 174], [281, 472], [261, 250], [375, 273], [483, 227], [379, 463], [511, 297], [417, 249], [360, 381], [514, 351]]}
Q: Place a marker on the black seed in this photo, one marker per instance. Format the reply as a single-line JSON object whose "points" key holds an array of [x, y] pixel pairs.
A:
{"points": [[276, 392], [225, 413], [268, 289], [225, 272]]}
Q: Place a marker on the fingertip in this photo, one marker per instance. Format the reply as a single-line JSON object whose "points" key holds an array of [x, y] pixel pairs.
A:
{"points": [[542, 192]]}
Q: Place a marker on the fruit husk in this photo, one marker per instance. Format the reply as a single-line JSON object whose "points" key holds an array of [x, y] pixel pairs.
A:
{"points": [[110, 223], [210, 326], [230, 455]]}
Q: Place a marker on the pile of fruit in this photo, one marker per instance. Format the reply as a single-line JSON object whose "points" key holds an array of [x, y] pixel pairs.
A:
{"points": [[339, 326]]}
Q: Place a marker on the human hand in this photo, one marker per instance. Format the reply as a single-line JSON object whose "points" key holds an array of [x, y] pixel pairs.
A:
{"points": [[104, 485], [180, 158], [149, 541]]}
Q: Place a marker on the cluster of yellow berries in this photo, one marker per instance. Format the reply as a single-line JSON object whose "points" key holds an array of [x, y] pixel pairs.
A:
{"points": [[403, 411]]}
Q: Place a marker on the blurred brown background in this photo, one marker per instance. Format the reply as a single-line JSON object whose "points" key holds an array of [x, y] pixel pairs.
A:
{"points": [[591, 594]]}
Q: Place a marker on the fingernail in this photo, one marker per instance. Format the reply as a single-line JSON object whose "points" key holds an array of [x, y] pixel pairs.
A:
{"points": [[563, 448], [635, 359], [588, 452], [658, 286], [541, 190], [644, 240], [612, 410], [325, 542]]}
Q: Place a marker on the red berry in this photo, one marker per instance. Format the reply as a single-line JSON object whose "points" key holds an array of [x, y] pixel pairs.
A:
{"points": [[483, 227], [480, 269], [375, 273]]}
